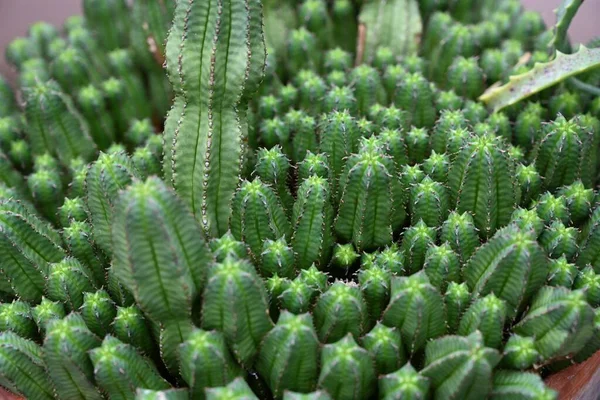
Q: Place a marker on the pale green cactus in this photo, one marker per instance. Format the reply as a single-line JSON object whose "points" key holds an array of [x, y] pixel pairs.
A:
{"points": [[520, 353], [79, 240], [45, 312], [204, 134]]}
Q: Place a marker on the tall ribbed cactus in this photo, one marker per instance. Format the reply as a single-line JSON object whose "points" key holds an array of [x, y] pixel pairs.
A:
{"points": [[160, 256], [481, 182], [215, 61]]}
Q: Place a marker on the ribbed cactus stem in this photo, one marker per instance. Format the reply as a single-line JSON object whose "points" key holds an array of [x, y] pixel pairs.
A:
{"points": [[55, 126], [46, 311], [18, 355], [384, 344], [119, 369], [98, 311], [417, 309], [457, 299], [520, 353], [18, 318], [488, 316], [277, 258], [204, 148], [66, 348], [405, 383], [231, 285], [130, 326], [237, 389], [289, 355], [526, 385], [347, 370], [205, 361]]}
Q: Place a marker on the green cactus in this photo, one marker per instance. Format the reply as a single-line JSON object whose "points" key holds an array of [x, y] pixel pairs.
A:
{"points": [[203, 144], [130, 326], [417, 309], [98, 311], [525, 385], [589, 281], [385, 346], [519, 353], [206, 362], [68, 281], [66, 348], [277, 258], [460, 366], [558, 240], [79, 240], [258, 215], [488, 316], [513, 253], [416, 241], [550, 317], [429, 202], [119, 369], [405, 383], [457, 299], [18, 355], [45, 312], [237, 389], [562, 273], [18, 318], [347, 371], [243, 328], [228, 246], [289, 355], [460, 233], [54, 125], [442, 266]]}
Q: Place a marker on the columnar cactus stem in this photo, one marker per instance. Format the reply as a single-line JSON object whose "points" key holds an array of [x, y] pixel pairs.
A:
{"points": [[366, 201], [228, 246], [272, 166], [579, 201], [558, 240], [231, 286], [207, 124], [258, 215], [169, 394], [589, 281], [119, 369], [312, 239], [159, 255], [416, 240], [341, 310], [563, 155], [375, 284], [317, 395], [520, 353], [529, 184], [130, 326], [384, 344], [550, 207], [460, 367], [17, 317], [460, 232], [525, 385], [448, 122], [551, 314], [109, 20], [109, 174], [47, 192], [98, 311], [79, 240], [27, 246], [347, 370], [205, 362], [54, 124], [417, 309], [289, 355], [339, 139], [45, 312], [72, 210], [277, 258], [486, 315], [67, 282], [457, 298], [429, 202], [511, 251], [18, 355], [442, 266], [414, 94], [481, 182], [66, 348]]}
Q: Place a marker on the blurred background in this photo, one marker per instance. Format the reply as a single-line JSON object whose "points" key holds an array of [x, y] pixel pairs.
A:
{"points": [[17, 15]]}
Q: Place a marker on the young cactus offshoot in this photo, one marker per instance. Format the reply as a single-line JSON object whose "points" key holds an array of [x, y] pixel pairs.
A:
{"points": [[307, 202]]}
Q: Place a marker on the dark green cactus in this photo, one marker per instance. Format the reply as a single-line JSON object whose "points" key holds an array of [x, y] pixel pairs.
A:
{"points": [[481, 182], [67, 282], [79, 240], [558, 240], [46, 311], [66, 348], [228, 246], [18, 318], [429, 202], [375, 284], [277, 258], [514, 253], [486, 315], [242, 327], [385, 346], [417, 309], [405, 383], [416, 241], [237, 389], [460, 367], [457, 299], [130, 326], [589, 281], [98, 311], [289, 355], [460, 233], [525, 385], [442, 266], [258, 215], [18, 355], [520, 353], [119, 369], [347, 371]]}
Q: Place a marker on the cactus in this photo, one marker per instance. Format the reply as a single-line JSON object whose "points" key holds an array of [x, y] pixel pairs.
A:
{"points": [[54, 124], [384, 344], [17, 317], [67, 282], [481, 182], [98, 311], [243, 328], [457, 299], [47, 311], [514, 252], [520, 352], [442, 266], [405, 383], [66, 348], [486, 315], [416, 241], [237, 389], [460, 233], [290, 354], [119, 369], [130, 326], [417, 309], [203, 144], [17, 355], [469, 357], [346, 370], [258, 215]]}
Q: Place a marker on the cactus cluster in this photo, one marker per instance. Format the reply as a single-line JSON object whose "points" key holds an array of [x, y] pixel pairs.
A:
{"points": [[292, 211]]}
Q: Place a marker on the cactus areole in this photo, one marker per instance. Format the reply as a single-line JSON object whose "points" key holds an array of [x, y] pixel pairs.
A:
{"points": [[261, 199]]}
